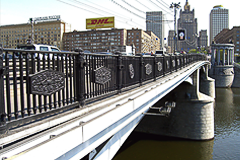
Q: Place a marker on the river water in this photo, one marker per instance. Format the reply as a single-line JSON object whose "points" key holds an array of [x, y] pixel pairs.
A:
{"points": [[224, 146]]}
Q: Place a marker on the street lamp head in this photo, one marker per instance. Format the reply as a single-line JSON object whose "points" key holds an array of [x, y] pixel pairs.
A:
{"points": [[178, 5]]}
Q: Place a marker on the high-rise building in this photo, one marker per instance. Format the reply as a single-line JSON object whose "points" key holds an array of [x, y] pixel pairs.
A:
{"points": [[188, 23], [219, 20], [171, 38], [155, 23], [46, 30], [203, 39]]}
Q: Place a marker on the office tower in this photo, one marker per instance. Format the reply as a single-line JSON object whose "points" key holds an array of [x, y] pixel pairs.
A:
{"points": [[188, 22], [171, 40], [219, 20], [203, 39], [155, 23]]}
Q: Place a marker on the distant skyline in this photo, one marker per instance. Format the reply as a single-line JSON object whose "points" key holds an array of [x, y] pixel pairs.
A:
{"points": [[75, 12]]}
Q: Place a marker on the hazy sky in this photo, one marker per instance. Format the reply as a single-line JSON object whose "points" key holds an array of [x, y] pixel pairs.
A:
{"points": [[75, 12]]}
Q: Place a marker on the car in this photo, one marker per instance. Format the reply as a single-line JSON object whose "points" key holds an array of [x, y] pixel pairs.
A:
{"points": [[126, 54], [86, 51], [160, 52], [39, 47], [147, 54], [9, 56], [106, 53]]}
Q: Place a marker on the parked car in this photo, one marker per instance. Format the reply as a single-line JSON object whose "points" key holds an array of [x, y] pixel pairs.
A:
{"points": [[107, 53], [86, 51], [9, 56], [147, 54], [39, 47], [160, 52], [126, 54]]}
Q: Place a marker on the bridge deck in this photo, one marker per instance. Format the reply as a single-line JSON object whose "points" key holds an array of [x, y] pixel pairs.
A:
{"points": [[93, 124]]}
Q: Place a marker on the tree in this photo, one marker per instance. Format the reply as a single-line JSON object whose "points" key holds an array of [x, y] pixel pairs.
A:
{"points": [[193, 51]]}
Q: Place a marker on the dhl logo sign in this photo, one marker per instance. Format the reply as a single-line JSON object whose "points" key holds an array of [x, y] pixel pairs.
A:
{"points": [[104, 22]]}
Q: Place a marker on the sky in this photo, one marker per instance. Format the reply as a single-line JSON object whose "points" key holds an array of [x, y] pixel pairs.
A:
{"points": [[128, 14]]}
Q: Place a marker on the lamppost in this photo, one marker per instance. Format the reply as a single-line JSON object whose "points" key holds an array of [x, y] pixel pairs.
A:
{"points": [[32, 28], [175, 6]]}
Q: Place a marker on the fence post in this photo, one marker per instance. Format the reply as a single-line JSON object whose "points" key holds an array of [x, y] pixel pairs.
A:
{"points": [[3, 127], [164, 65], [119, 72], [141, 69], [80, 78], [154, 67], [171, 64]]}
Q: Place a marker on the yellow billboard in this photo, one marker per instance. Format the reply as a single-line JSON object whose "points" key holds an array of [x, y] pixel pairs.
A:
{"points": [[103, 22]]}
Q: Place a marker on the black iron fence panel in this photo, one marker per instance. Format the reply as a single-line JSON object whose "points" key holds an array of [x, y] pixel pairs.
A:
{"points": [[35, 85], [159, 68], [148, 68], [100, 75], [131, 70]]}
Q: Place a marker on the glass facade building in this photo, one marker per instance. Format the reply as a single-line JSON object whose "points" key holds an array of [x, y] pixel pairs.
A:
{"points": [[155, 23], [219, 20]]}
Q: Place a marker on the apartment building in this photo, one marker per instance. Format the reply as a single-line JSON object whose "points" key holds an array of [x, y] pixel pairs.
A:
{"points": [[44, 32], [230, 36], [94, 40], [107, 40]]}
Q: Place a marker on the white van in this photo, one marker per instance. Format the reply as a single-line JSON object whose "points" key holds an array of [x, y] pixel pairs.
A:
{"points": [[38, 47]]}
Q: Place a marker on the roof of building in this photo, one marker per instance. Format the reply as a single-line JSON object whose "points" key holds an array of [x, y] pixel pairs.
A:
{"points": [[218, 7]]}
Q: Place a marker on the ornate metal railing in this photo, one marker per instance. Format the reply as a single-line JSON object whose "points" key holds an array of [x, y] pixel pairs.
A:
{"points": [[35, 85]]}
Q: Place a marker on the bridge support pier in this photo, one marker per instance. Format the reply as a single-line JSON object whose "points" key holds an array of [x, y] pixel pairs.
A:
{"points": [[193, 116], [207, 84]]}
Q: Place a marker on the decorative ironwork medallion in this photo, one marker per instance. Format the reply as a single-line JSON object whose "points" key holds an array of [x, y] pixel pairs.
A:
{"points": [[228, 71], [148, 69], [102, 75], [46, 82], [173, 63], [178, 62], [159, 66], [167, 63], [131, 71]]}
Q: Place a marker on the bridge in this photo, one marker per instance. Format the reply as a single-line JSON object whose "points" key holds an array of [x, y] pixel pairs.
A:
{"points": [[71, 105]]}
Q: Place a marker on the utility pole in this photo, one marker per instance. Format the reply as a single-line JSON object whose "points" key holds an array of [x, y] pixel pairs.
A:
{"points": [[32, 27], [175, 6]]}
